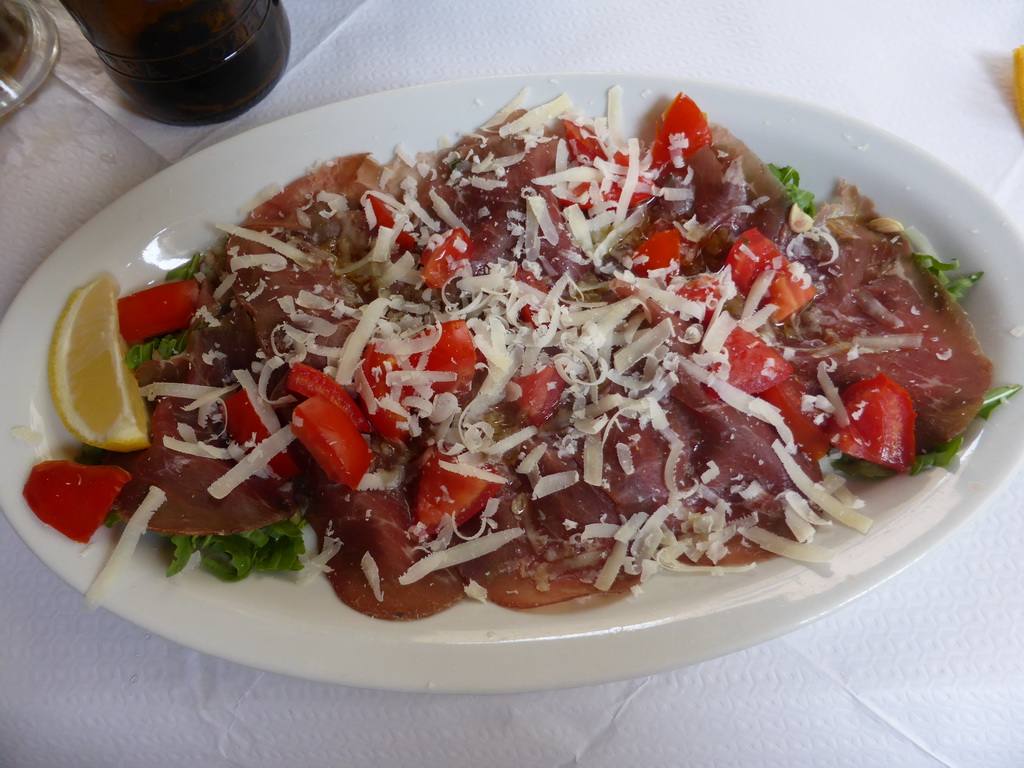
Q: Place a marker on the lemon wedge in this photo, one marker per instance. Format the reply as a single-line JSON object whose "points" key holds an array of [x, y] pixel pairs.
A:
{"points": [[94, 392], [1018, 81]]}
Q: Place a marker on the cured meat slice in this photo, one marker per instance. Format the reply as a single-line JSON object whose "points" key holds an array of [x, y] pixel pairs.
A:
{"points": [[376, 524], [873, 290], [213, 352], [285, 328], [547, 566], [298, 205], [491, 206], [731, 191], [554, 561], [189, 508]]}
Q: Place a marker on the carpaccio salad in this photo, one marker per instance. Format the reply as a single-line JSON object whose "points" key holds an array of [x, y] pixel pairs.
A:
{"points": [[543, 363]]}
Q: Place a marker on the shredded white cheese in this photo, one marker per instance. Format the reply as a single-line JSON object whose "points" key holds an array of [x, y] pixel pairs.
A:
{"points": [[125, 547], [253, 462], [460, 553]]}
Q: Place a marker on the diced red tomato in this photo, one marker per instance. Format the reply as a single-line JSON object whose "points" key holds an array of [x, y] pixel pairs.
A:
{"points": [[309, 382], [333, 439], [683, 117], [525, 276], [583, 195], [390, 425], [705, 289], [386, 218], [453, 353], [752, 254], [661, 251], [161, 309], [790, 292], [881, 428], [540, 393], [73, 498], [446, 258], [580, 196], [245, 426], [585, 148], [787, 396], [583, 145], [442, 492], [754, 365]]}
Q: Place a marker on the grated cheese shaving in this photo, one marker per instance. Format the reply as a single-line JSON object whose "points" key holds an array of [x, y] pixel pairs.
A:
{"points": [[537, 116], [287, 250], [352, 350], [559, 481], [372, 573], [125, 547], [469, 470], [817, 493], [460, 553], [253, 462], [779, 545]]}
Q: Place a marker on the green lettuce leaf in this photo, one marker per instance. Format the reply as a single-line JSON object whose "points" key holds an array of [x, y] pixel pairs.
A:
{"points": [[958, 287], [996, 397], [791, 181], [940, 456], [234, 556], [165, 346], [185, 271], [854, 467]]}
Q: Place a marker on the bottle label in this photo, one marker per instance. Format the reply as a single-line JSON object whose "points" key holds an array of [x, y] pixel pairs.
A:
{"points": [[195, 59]]}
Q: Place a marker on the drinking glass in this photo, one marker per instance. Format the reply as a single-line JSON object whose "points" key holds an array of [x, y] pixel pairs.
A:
{"points": [[28, 49], [188, 62]]}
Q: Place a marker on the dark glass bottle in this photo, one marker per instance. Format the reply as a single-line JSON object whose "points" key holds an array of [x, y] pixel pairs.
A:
{"points": [[188, 62]]}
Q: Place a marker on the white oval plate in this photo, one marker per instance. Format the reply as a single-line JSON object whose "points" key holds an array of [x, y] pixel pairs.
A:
{"points": [[274, 624]]}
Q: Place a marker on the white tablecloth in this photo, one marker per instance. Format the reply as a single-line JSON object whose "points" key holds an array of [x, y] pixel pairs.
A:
{"points": [[926, 670]]}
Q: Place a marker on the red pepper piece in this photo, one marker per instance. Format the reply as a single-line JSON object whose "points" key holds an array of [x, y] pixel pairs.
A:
{"points": [[73, 498], [331, 437], [158, 310]]}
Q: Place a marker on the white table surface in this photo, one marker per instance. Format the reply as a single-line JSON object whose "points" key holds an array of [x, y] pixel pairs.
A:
{"points": [[925, 670]]}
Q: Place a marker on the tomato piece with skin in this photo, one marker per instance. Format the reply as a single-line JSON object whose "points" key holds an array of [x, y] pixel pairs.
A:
{"points": [[539, 394], [661, 251], [881, 428], [455, 353], [446, 258], [527, 313], [704, 289], [441, 492], [790, 292], [585, 148], [333, 440], [787, 396], [375, 368], [754, 365], [386, 218], [682, 118], [583, 145], [157, 310], [751, 255], [307, 381], [73, 498], [245, 427]]}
